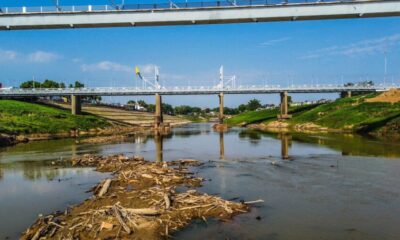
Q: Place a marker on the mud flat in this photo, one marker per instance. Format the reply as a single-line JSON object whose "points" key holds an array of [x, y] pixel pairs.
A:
{"points": [[139, 201]]}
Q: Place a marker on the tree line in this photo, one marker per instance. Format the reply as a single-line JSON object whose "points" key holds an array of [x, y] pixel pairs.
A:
{"points": [[252, 105], [53, 84]]}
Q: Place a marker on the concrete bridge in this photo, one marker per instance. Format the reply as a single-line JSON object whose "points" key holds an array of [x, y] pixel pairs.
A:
{"points": [[191, 13], [77, 93]]}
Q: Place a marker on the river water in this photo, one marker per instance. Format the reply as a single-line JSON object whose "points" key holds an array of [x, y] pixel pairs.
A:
{"points": [[321, 186]]}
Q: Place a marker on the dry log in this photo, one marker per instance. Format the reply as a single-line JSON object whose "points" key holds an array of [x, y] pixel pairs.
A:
{"points": [[37, 234], [255, 201], [105, 187], [121, 221], [167, 201], [142, 211]]}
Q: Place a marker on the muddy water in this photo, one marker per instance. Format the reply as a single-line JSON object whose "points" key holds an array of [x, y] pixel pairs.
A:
{"points": [[315, 186]]}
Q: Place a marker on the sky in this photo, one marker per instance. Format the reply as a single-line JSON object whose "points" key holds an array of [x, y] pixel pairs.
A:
{"points": [[279, 53]]}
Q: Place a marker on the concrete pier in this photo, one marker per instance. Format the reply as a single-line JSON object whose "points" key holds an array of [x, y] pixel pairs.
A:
{"points": [[158, 113], [284, 107], [221, 108], [76, 105], [348, 94]]}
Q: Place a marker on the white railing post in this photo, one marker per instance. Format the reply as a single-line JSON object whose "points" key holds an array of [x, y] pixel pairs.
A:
{"points": [[90, 8], [23, 9]]}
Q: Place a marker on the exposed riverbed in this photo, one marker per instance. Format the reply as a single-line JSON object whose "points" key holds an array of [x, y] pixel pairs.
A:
{"points": [[315, 186]]}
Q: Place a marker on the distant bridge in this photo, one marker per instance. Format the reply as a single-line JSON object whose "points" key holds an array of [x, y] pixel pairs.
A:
{"points": [[135, 91], [189, 13], [77, 93]]}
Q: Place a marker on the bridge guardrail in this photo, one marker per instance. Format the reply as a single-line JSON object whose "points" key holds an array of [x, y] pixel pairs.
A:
{"points": [[158, 6]]}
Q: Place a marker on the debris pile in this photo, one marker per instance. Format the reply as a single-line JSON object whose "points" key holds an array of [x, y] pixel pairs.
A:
{"points": [[140, 201]]}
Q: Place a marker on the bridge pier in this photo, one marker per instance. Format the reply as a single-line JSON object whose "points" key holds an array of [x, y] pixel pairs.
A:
{"points": [[348, 94], [76, 105], [158, 113], [221, 108], [284, 107]]}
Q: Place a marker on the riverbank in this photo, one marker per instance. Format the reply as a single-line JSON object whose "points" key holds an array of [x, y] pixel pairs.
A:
{"points": [[359, 114], [23, 122], [140, 201]]}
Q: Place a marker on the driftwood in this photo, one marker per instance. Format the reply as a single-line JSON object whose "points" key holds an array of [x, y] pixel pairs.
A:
{"points": [[167, 201], [120, 220], [140, 201], [255, 201], [105, 187], [143, 211]]}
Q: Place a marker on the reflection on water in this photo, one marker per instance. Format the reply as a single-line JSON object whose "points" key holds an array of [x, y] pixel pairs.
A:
{"points": [[336, 187]]}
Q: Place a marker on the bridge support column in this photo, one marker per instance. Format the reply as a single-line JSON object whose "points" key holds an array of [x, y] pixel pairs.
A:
{"points": [[158, 114], [284, 107], [221, 108], [348, 94], [76, 106]]}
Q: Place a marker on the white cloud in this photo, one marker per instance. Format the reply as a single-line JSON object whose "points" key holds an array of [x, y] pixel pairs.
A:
{"points": [[8, 55], [370, 46], [275, 41], [148, 68], [106, 66], [42, 57]]}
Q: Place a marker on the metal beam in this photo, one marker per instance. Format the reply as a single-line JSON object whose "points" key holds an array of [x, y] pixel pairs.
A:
{"points": [[206, 15]]}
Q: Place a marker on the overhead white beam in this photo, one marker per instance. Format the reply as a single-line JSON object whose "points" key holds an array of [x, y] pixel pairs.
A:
{"points": [[232, 14]]}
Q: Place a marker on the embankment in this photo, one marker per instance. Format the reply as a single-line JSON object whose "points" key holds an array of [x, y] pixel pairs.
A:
{"points": [[23, 121], [366, 114]]}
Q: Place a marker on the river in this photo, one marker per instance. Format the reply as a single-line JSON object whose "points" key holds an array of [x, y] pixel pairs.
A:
{"points": [[319, 186]]}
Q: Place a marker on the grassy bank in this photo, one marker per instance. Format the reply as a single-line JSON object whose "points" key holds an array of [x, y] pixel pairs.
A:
{"points": [[351, 114], [260, 116], [18, 117]]}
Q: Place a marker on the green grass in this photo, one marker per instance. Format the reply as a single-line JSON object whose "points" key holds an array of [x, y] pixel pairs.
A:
{"points": [[252, 117], [351, 113], [18, 117], [346, 113]]}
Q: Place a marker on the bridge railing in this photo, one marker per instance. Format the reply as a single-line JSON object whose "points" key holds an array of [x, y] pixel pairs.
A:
{"points": [[155, 6], [189, 89]]}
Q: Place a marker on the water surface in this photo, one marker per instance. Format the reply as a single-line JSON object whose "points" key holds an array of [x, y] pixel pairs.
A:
{"points": [[315, 186]]}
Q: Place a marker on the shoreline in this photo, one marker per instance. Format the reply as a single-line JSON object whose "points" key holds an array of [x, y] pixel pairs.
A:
{"points": [[8, 140]]}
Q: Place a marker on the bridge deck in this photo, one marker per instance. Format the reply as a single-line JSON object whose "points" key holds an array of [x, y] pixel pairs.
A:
{"points": [[193, 13], [125, 91]]}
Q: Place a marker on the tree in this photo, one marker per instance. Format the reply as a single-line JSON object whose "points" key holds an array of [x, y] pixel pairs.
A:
{"points": [[31, 84], [253, 104], [142, 103], [168, 109], [289, 99], [50, 84], [242, 108], [77, 84], [131, 102]]}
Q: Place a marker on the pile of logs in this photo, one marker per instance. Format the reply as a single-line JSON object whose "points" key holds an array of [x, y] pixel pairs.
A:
{"points": [[139, 201]]}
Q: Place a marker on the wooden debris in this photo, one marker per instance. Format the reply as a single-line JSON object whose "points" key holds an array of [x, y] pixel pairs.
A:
{"points": [[141, 203], [105, 187], [106, 225]]}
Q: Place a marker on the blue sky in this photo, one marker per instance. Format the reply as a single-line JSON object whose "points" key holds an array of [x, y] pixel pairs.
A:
{"points": [[301, 52]]}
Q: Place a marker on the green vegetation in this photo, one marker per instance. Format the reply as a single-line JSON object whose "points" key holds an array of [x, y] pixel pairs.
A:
{"points": [[266, 115], [18, 117], [352, 114]]}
